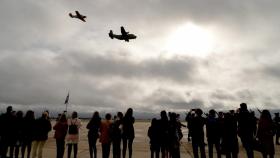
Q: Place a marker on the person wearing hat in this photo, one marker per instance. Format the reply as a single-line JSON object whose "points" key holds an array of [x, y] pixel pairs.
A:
{"points": [[277, 124]]}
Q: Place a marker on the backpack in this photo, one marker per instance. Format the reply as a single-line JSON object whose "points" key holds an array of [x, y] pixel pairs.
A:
{"points": [[73, 129]]}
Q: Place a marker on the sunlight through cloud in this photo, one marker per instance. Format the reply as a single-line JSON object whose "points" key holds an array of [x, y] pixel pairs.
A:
{"points": [[190, 39]]}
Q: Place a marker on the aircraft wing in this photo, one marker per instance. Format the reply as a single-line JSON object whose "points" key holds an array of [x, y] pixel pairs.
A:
{"points": [[83, 19], [124, 33], [77, 13]]}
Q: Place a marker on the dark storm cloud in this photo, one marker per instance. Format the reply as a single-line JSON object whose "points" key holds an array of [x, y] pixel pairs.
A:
{"points": [[33, 77], [175, 69], [195, 103], [173, 99]]}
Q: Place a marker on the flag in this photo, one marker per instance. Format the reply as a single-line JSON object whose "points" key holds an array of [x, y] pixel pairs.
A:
{"points": [[67, 99]]}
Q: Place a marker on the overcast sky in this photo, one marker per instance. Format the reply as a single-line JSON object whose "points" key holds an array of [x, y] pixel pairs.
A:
{"points": [[188, 53]]}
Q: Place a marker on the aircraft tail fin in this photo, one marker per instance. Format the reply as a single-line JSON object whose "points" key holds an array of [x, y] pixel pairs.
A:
{"points": [[70, 14], [111, 34]]}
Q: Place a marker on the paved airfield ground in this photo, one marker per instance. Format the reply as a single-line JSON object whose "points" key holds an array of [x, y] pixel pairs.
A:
{"points": [[140, 145]]}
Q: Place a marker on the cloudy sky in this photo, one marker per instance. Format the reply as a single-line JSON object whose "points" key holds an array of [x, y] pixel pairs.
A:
{"points": [[188, 53]]}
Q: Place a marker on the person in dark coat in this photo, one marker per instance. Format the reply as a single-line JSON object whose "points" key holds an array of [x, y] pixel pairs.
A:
{"points": [[19, 132], [60, 128], [8, 132], [42, 128], [93, 127], [190, 115], [153, 134], [128, 132], [277, 124], [213, 133], [163, 134], [28, 133], [229, 145], [266, 130], [246, 129], [254, 122], [175, 135], [197, 127], [116, 135]]}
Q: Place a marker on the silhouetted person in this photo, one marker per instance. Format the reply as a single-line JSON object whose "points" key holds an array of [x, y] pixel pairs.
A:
{"points": [[198, 123], [72, 138], [164, 140], [213, 131], [105, 135], [116, 135], [277, 124], [8, 131], [246, 127], [60, 128], [266, 129], [190, 115], [174, 135], [93, 127], [18, 132], [13, 133], [229, 145], [29, 130], [153, 134], [42, 127], [128, 132], [254, 121], [220, 120]]}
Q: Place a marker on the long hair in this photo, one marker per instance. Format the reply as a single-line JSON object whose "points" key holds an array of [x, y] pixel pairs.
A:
{"points": [[95, 117], [30, 115], [129, 113], [266, 115]]}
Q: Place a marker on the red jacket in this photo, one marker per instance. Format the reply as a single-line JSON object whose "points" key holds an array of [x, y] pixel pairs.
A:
{"points": [[60, 130]]}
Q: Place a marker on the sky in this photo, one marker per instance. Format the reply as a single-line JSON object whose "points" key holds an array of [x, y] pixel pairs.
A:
{"points": [[188, 54]]}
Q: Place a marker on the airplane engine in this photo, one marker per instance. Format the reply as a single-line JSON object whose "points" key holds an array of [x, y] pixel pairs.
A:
{"points": [[70, 15]]}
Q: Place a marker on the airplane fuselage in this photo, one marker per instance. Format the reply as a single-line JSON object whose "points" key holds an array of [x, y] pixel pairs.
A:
{"points": [[122, 37], [127, 37], [78, 16]]}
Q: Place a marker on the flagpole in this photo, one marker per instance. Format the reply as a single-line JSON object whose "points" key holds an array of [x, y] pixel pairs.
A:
{"points": [[66, 107], [66, 102]]}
